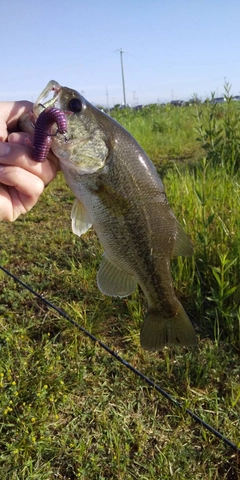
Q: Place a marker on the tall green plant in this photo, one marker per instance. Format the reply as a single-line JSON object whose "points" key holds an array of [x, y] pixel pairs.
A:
{"points": [[218, 127], [209, 209]]}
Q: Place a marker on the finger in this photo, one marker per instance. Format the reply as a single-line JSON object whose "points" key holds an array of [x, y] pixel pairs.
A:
{"points": [[21, 138], [9, 115], [23, 180], [12, 111], [13, 203], [3, 129], [21, 156], [15, 196], [26, 140]]}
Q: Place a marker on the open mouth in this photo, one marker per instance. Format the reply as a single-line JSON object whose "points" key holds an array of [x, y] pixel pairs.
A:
{"points": [[47, 98], [49, 120]]}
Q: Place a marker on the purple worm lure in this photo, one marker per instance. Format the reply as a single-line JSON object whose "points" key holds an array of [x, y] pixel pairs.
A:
{"points": [[43, 127]]}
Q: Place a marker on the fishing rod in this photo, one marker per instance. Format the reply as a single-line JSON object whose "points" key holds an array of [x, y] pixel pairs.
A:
{"points": [[114, 354]]}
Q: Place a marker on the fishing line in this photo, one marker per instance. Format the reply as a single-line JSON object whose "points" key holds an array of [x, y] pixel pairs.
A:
{"points": [[124, 362]]}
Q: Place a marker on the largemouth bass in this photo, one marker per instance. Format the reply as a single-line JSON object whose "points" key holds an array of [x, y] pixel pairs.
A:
{"points": [[119, 193]]}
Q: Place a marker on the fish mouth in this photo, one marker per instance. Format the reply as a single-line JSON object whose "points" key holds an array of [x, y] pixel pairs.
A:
{"points": [[62, 143], [52, 90], [48, 98], [27, 122]]}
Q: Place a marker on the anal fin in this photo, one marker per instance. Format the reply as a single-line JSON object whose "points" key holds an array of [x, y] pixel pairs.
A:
{"points": [[114, 281]]}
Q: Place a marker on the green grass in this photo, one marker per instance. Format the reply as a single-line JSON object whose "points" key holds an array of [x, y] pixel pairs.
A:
{"points": [[166, 133], [70, 411]]}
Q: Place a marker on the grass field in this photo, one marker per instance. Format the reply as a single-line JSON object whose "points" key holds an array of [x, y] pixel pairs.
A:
{"points": [[70, 411]]}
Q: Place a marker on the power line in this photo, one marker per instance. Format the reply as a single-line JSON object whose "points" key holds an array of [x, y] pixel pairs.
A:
{"points": [[125, 363]]}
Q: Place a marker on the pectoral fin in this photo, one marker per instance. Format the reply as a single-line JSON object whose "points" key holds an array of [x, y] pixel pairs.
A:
{"points": [[114, 281], [80, 218], [183, 245]]}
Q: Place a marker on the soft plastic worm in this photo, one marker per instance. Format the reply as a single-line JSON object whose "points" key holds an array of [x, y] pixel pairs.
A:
{"points": [[43, 127]]}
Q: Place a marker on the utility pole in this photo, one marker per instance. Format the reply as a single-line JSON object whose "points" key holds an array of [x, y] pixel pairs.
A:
{"points": [[123, 82]]}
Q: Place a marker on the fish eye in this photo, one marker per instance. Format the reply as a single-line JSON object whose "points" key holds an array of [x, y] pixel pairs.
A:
{"points": [[75, 105]]}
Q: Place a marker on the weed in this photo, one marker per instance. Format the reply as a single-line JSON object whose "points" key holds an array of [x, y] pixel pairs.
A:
{"points": [[218, 132]]}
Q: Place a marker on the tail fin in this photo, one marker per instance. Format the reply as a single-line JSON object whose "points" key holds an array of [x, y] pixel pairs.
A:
{"points": [[156, 331]]}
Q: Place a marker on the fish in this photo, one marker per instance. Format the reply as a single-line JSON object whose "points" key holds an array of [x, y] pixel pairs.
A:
{"points": [[120, 194]]}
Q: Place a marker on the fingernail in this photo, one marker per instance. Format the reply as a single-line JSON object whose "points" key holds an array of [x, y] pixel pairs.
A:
{"points": [[4, 149]]}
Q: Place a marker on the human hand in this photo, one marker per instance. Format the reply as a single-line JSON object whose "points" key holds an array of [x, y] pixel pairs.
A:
{"points": [[22, 180]]}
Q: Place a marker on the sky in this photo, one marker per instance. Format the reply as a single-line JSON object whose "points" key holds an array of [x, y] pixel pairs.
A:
{"points": [[172, 48]]}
